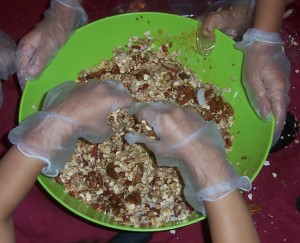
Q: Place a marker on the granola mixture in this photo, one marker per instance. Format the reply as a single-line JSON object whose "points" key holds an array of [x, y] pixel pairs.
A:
{"points": [[124, 181]]}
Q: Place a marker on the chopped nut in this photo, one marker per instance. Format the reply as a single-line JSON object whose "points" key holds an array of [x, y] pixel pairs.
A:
{"points": [[254, 208]]}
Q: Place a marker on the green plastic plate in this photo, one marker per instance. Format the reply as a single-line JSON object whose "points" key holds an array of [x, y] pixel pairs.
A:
{"points": [[95, 42]]}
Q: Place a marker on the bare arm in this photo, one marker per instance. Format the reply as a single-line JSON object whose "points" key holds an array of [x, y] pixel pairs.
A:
{"points": [[230, 221], [17, 176], [268, 14]]}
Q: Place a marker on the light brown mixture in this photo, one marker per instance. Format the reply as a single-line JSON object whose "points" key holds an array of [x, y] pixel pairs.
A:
{"points": [[124, 181]]}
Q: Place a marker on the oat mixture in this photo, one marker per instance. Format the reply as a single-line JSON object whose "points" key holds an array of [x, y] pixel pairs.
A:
{"points": [[123, 181]]}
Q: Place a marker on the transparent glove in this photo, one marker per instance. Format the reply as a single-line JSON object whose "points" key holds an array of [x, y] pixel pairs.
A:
{"points": [[39, 46], [266, 72], [193, 145], [232, 17], [7, 59], [71, 110]]}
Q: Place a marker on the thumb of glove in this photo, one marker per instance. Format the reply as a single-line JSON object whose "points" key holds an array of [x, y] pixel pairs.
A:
{"points": [[134, 137], [191, 188]]}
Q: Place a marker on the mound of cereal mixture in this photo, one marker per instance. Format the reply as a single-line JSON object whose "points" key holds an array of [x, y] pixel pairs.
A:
{"points": [[123, 181]]}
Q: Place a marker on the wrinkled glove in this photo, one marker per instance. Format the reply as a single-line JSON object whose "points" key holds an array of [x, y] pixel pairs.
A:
{"points": [[7, 59], [71, 110], [232, 17], [266, 72], [193, 145], [38, 47]]}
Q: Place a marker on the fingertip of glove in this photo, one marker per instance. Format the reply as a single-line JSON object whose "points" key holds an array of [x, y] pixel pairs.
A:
{"points": [[263, 112], [135, 108], [130, 137], [288, 134], [245, 183], [268, 117]]}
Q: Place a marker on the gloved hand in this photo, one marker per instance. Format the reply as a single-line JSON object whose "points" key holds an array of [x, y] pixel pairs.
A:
{"points": [[193, 145], [7, 59], [232, 17], [266, 72], [71, 110], [36, 49]]}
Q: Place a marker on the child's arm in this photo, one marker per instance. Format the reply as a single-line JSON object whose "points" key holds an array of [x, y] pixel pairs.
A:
{"points": [[17, 175], [268, 14], [230, 221]]}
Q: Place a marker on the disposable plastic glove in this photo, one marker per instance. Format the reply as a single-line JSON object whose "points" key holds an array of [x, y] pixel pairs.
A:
{"points": [[232, 17], [38, 47], [7, 59], [193, 145], [71, 110], [266, 72]]}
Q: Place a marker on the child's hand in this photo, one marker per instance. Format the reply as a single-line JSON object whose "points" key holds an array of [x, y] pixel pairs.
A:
{"points": [[70, 111], [266, 74], [193, 145], [39, 46]]}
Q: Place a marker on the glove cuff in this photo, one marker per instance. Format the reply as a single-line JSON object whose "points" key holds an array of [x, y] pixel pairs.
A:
{"points": [[262, 36], [81, 16], [55, 149], [252, 35], [215, 192], [218, 191]]}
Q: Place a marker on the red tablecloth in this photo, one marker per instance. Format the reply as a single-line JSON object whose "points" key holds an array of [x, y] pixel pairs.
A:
{"points": [[40, 219]]}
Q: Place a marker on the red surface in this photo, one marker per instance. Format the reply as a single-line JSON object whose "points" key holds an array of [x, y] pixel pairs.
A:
{"points": [[40, 219]]}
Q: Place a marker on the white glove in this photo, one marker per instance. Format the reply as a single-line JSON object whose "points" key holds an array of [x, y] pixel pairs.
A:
{"points": [[193, 145], [232, 17], [71, 110], [266, 72], [39, 46]]}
